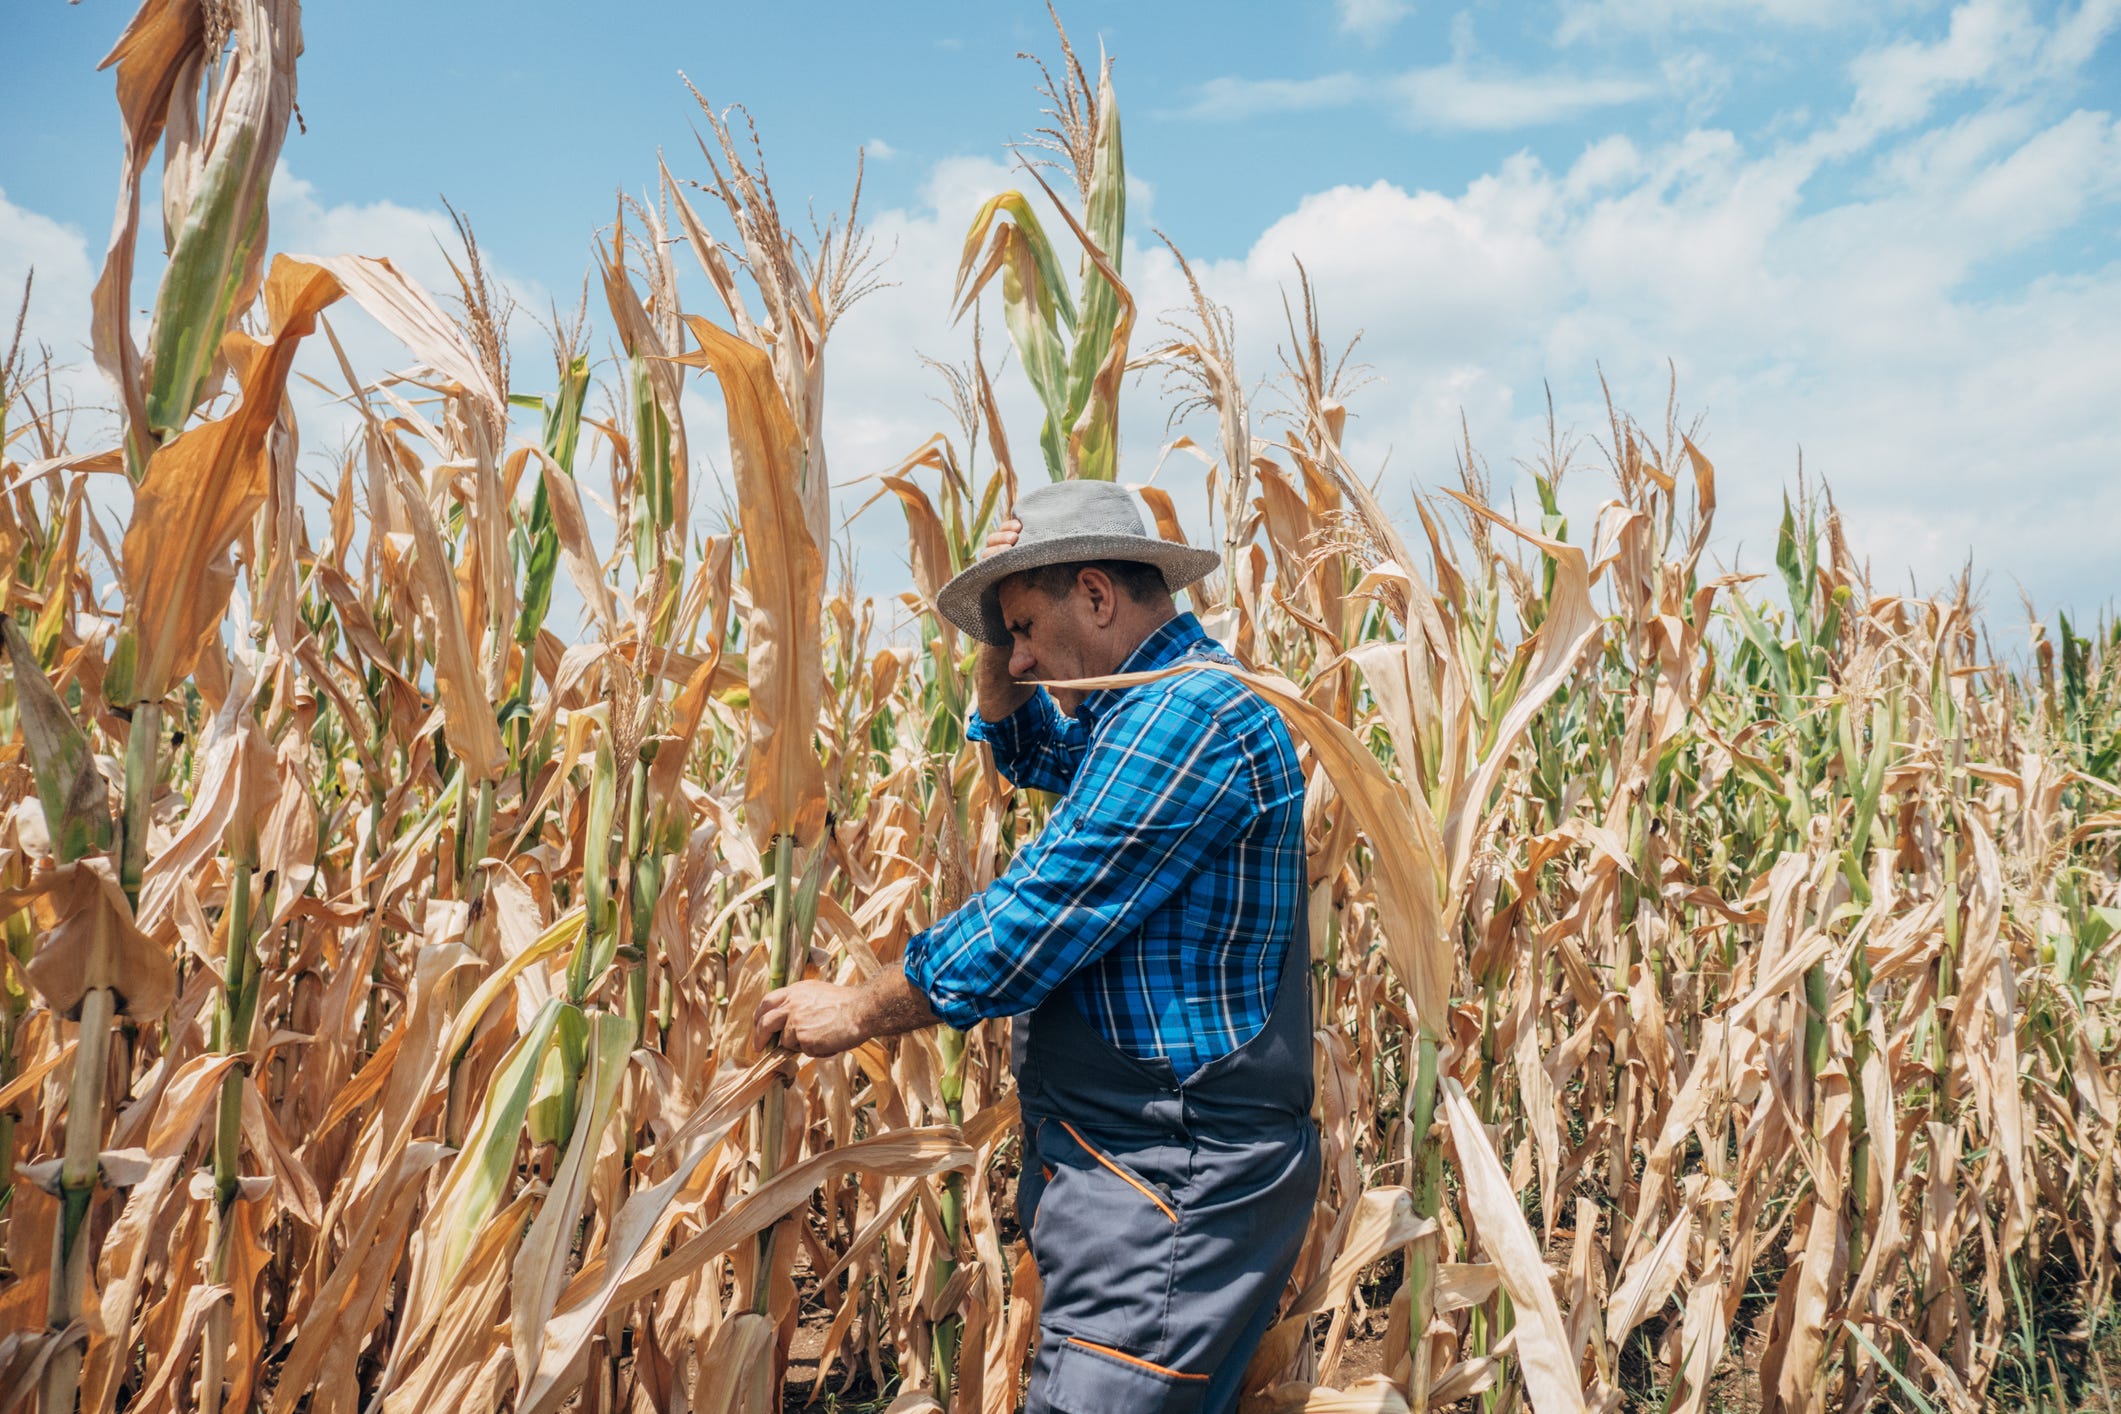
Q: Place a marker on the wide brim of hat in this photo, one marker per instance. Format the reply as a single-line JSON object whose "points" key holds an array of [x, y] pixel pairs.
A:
{"points": [[968, 599]]}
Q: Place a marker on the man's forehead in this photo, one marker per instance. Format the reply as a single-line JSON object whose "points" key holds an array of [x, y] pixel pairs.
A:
{"points": [[1015, 595]]}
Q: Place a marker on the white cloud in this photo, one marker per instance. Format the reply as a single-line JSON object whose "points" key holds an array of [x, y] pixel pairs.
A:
{"points": [[879, 149], [1897, 84], [1697, 80], [2078, 35], [418, 240], [1953, 415], [1948, 422], [1452, 96], [2001, 47], [1371, 20], [1600, 19], [1227, 97], [58, 315], [421, 242], [2044, 186], [1458, 96]]}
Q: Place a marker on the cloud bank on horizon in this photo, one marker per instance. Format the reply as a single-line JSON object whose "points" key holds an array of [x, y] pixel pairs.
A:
{"points": [[1905, 274]]}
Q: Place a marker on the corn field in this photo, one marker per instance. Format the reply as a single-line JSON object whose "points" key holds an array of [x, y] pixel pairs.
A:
{"points": [[1713, 972]]}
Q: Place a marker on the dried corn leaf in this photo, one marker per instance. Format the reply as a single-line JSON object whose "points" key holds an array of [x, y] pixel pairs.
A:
{"points": [[201, 490], [784, 569], [88, 940], [1542, 1340]]}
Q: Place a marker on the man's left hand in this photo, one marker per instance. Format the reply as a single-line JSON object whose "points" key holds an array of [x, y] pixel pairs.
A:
{"points": [[815, 1018]]}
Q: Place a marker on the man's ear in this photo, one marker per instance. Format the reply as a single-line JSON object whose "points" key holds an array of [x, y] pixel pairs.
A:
{"points": [[1103, 595]]}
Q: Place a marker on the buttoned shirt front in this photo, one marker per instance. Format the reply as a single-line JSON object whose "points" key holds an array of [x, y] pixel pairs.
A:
{"points": [[1169, 875]]}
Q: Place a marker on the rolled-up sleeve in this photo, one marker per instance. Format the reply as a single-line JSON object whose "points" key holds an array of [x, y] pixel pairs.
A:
{"points": [[1156, 798], [1036, 746]]}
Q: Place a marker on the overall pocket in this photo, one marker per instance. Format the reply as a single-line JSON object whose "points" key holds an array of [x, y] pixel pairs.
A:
{"points": [[1106, 1243], [1157, 1195], [1092, 1378]]}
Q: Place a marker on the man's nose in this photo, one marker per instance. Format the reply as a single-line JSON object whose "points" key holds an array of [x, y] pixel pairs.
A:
{"points": [[1021, 663]]}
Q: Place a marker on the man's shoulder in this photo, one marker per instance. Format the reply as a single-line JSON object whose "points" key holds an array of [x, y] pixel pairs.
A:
{"points": [[1204, 691]]}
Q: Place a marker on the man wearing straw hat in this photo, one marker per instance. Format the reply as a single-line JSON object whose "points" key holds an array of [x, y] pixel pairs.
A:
{"points": [[1155, 933]]}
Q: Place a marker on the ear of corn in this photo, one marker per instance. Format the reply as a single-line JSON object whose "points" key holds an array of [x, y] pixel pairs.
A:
{"points": [[1715, 979]]}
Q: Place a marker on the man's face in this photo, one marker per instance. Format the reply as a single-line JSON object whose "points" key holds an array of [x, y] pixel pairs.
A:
{"points": [[1052, 639]]}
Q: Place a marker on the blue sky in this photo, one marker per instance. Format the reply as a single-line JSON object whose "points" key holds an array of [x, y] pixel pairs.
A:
{"points": [[1887, 236]]}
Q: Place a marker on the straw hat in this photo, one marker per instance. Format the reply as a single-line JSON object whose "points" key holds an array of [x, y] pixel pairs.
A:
{"points": [[1066, 521]]}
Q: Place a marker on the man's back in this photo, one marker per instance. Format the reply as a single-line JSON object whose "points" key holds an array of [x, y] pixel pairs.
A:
{"points": [[1169, 876]]}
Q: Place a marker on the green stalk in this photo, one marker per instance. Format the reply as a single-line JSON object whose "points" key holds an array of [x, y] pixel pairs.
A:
{"points": [[949, 1330], [471, 848], [1426, 1160], [644, 882], [19, 938], [1947, 981], [773, 1109], [372, 1019], [140, 760], [1859, 1111], [84, 1108], [239, 1003], [1817, 1001], [77, 1188]]}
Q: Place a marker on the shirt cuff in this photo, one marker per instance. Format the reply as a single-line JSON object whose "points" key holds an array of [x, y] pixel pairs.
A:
{"points": [[920, 966], [1026, 727]]}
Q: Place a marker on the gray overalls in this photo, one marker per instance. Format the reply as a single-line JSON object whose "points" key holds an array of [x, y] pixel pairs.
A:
{"points": [[1165, 1216]]}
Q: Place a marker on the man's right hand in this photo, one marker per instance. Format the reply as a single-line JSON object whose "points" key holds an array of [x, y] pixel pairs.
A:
{"points": [[999, 693], [1002, 537]]}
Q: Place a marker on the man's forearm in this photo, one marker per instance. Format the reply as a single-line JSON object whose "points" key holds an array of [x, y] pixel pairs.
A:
{"points": [[892, 1005]]}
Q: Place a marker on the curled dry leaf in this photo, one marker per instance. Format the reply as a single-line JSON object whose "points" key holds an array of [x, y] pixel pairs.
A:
{"points": [[87, 940]]}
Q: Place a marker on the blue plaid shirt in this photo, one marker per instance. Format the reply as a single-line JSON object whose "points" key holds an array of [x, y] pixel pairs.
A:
{"points": [[1167, 881]]}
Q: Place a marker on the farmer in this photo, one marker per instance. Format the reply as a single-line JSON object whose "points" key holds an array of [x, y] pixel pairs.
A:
{"points": [[1155, 932]]}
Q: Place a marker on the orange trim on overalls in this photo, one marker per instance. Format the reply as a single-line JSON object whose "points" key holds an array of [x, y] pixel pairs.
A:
{"points": [[1133, 1359], [1134, 1182]]}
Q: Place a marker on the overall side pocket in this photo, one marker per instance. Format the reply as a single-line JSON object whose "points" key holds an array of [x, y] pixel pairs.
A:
{"points": [[1092, 1378], [1107, 1246]]}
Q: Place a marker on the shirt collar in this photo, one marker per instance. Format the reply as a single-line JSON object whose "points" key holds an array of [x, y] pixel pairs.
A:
{"points": [[1169, 642]]}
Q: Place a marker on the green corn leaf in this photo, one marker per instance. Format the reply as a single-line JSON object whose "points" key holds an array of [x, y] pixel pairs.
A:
{"points": [[540, 1268], [1791, 563], [217, 247], [656, 508], [1034, 298], [1050, 286], [1771, 652], [76, 802], [1106, 220], [1907, 1386], [1038, 349], [600, 939], [551, 1114], [487, 1161], [537, 541], [563, 413]]}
